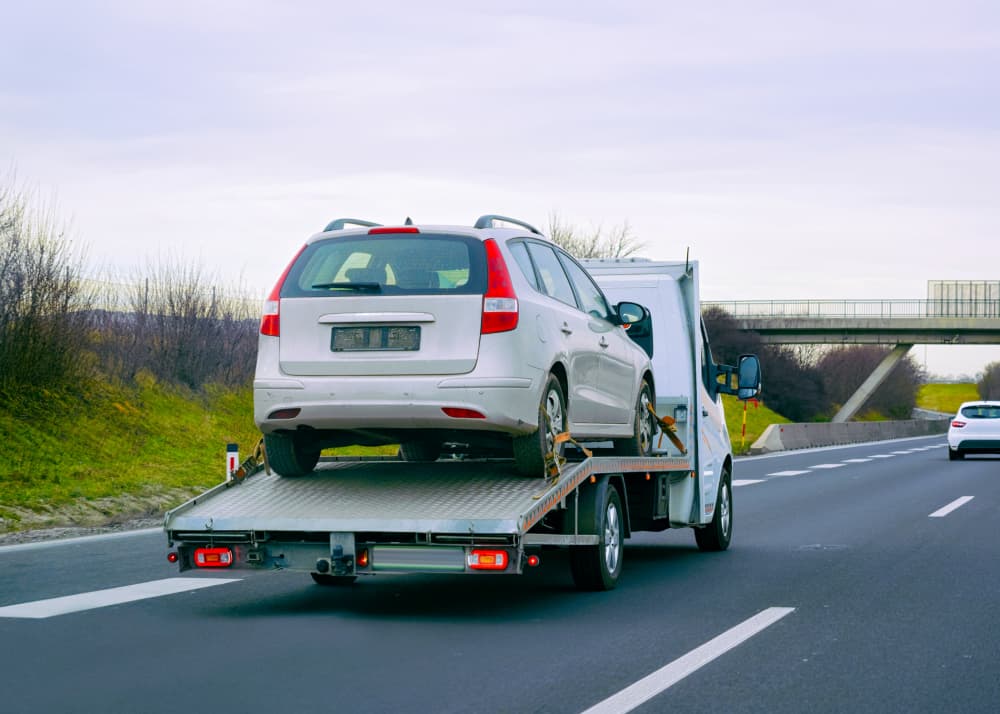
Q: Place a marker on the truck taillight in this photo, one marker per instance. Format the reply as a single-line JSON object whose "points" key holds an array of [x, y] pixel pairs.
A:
{"points": [[213, 557], [500, 301], [487, 559], [270, 320]]}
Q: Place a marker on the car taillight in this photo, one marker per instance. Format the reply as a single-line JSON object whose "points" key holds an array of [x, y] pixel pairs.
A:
{"points": [[958, 424], [500, 301], [270, 320]]}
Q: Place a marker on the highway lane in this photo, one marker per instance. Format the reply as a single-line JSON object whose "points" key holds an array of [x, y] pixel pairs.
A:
{"points": [[893, 611]]}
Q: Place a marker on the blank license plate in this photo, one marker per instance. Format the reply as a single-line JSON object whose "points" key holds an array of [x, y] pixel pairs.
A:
{"points": [[367, 339]]}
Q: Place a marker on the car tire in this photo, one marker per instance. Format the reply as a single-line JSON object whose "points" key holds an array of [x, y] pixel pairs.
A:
{"points": [[530, 450], [717, 535], [955, 454], [419, 451], [333, 580], [641, 441], [289, 456], [597, 567]]}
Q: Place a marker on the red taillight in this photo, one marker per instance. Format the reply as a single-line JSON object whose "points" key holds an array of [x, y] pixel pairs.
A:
{"points": [[363, 559], [958, 424], [487, 559], [392, 229], [270, 322], [459, 413], [213, 557], [500, 300]]}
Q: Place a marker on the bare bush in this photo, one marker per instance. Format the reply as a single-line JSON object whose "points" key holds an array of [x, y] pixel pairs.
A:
{"points": [[178, 323], [44, 310], [619, 242], [989, 383]]}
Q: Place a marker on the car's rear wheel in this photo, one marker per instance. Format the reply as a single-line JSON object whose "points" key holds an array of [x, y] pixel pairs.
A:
{"points": [[419, 451], [955, 454], [530, 450], [290, 455], [641, 441]]}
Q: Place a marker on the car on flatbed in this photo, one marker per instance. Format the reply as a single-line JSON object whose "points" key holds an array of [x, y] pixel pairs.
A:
{"points": [[487, 337]]}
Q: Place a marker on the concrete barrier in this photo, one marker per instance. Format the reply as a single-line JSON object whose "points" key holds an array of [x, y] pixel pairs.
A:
{"points": [[785, 437]]}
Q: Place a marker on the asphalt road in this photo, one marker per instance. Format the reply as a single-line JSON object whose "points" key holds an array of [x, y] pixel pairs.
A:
{"points": [[888, 587]]}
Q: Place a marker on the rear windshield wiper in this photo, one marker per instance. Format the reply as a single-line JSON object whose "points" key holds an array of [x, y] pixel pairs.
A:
{"points": [[356, 287]]}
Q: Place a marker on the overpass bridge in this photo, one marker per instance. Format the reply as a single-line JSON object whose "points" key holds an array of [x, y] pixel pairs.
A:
{"points": [[899, 323]]}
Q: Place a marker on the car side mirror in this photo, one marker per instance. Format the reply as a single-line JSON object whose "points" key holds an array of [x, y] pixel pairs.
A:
{"points": [[630, 313]]}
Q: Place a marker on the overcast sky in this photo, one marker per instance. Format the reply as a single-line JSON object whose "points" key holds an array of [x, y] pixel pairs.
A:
{"points": [[846, 150]]}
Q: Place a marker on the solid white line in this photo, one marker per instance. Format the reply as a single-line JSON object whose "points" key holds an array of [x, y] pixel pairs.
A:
{"points": [[37, 545], [648, 687], [788, 473], [40, 609], [746, 481], [827, 466], [957, 503]]}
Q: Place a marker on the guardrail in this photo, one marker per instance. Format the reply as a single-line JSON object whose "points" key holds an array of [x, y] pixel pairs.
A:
{"points": [[867, 309]]}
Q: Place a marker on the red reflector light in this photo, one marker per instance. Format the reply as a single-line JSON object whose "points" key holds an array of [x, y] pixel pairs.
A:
{"points": [[284, 414], [393, 229], [533, 561], [958, 424], [172, 557], [363, 558], [213, 557], [487, 560], [459, 413]]}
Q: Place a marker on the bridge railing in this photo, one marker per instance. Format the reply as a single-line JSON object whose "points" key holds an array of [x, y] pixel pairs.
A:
{"points": [[862, 309]]}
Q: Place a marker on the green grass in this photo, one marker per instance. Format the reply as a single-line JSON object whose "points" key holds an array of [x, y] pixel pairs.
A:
{"points": [[946, 397], [758, 418]]}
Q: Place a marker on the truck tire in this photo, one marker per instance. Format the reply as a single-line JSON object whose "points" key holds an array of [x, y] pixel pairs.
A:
{"points": [[641, 441], [530, 450], [333, 580], [419, 451], [597, 567], [288, 455], [716, 535]]}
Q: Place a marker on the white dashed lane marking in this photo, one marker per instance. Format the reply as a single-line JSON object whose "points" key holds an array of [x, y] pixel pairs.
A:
{"points": [[827, 466], [746, 481], [957, 503], [788, 473], [883, 456], [856, 461], [41, 609]]}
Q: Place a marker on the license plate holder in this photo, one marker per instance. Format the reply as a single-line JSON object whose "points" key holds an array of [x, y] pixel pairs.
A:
{"points": [[375, 338]]}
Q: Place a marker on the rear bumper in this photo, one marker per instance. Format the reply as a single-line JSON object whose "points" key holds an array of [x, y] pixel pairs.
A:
{"points": [[975, 446]]}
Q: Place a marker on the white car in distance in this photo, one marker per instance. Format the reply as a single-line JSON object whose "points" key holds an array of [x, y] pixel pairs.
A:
{"points": [[975, 429], [489, 337]]}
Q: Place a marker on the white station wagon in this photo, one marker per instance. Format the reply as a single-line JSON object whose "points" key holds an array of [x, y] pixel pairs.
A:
{"points": [[483, 338]]}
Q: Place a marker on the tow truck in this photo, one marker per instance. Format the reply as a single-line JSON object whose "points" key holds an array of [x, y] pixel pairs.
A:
{"points": [[358, 517]]}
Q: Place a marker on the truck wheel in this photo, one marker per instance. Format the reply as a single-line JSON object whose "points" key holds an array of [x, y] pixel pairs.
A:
{"points": [[641, 441], [717, 534], [335, 580], [287, 455], [530, 450], [597, 567], [955, 454], [419, 451]]}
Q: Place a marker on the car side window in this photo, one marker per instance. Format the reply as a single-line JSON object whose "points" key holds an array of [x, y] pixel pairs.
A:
{"points": [[520, 252], [554, 282], [591, 298]]}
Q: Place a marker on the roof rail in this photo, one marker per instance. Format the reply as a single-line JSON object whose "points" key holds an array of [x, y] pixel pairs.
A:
{"points": [[338, 225], [487, 222]]}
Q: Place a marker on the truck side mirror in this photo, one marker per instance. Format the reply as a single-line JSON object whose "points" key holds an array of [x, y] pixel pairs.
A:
{"points": [[747, 377]]}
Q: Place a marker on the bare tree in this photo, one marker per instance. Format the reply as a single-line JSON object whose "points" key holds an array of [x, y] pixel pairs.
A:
{"points": [[989, 383], [619, 242], [845, 368]]}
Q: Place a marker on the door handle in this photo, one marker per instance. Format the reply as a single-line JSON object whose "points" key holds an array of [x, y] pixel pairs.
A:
{"points": [[566, 329], [704, 412], [603, 342]]}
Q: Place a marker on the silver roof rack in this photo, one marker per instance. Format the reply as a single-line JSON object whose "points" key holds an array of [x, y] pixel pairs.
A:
{"points": [[487, 222], [340, 223]]}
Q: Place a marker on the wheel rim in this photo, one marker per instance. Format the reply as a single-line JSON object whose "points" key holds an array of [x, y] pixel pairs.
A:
{"points": [[555, 419], [724, 514], [612, 538], [645, 425]]}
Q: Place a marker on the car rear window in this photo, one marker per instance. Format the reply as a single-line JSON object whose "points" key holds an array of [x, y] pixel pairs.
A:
{"points": [[983, 411], [393, 264]]}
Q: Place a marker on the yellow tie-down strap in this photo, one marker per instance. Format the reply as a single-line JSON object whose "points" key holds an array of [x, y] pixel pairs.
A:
{"points": [[554, 461], [668, 428]]}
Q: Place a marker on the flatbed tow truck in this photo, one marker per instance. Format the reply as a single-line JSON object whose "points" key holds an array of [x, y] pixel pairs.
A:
{"points": [[363, 517]]}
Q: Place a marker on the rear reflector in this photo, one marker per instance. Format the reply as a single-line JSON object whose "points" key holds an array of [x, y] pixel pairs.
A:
{"points": [[213, 557], [284, 414], [458, 413], [487, 560]]}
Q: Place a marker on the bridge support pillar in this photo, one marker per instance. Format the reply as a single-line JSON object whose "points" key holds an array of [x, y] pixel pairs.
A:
{"points": [[875, 379]]}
